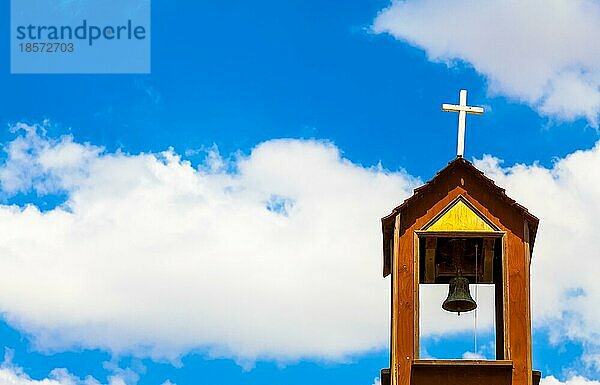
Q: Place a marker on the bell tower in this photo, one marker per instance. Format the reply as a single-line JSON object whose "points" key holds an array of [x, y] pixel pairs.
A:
{"points": [[458, 229]]}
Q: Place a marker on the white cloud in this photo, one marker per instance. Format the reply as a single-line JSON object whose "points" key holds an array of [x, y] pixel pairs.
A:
{"points": [[151, 256], [11, 374], [277, 259], [472, 356], [541, 52], [45, 164], [577, 380]]}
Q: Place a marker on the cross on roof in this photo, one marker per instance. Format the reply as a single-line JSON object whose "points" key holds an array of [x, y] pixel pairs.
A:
{"points": [[462, 110]]}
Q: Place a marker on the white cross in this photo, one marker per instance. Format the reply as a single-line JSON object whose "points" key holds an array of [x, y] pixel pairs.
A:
{"points": [[462, 110]]}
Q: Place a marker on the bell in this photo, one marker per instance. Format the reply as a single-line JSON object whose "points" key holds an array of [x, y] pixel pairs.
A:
{"points": [[459, 298]]}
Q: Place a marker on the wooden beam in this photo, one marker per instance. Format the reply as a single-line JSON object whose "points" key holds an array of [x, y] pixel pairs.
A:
{"points": [[416, 269], [505, 299], [405, 283], [463, 363], [458, 108], [527, 252], [499, 304], [394, 315], [430, 247], [461, 234], [488, 260]]}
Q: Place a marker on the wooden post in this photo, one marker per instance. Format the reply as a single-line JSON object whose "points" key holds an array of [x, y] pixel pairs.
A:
{"points": [[406, 307], [517, 312], [416, 275], [394, 331], [527, 261]]}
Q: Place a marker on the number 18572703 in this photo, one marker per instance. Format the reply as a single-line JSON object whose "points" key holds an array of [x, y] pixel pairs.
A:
{"points": [[46, 47]]}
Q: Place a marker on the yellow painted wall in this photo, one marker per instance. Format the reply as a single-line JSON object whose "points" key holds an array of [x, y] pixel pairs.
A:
{"points": [[460, 217]]}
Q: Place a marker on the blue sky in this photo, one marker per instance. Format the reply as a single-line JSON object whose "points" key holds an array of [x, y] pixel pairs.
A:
{"points": [[129, 257]]}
